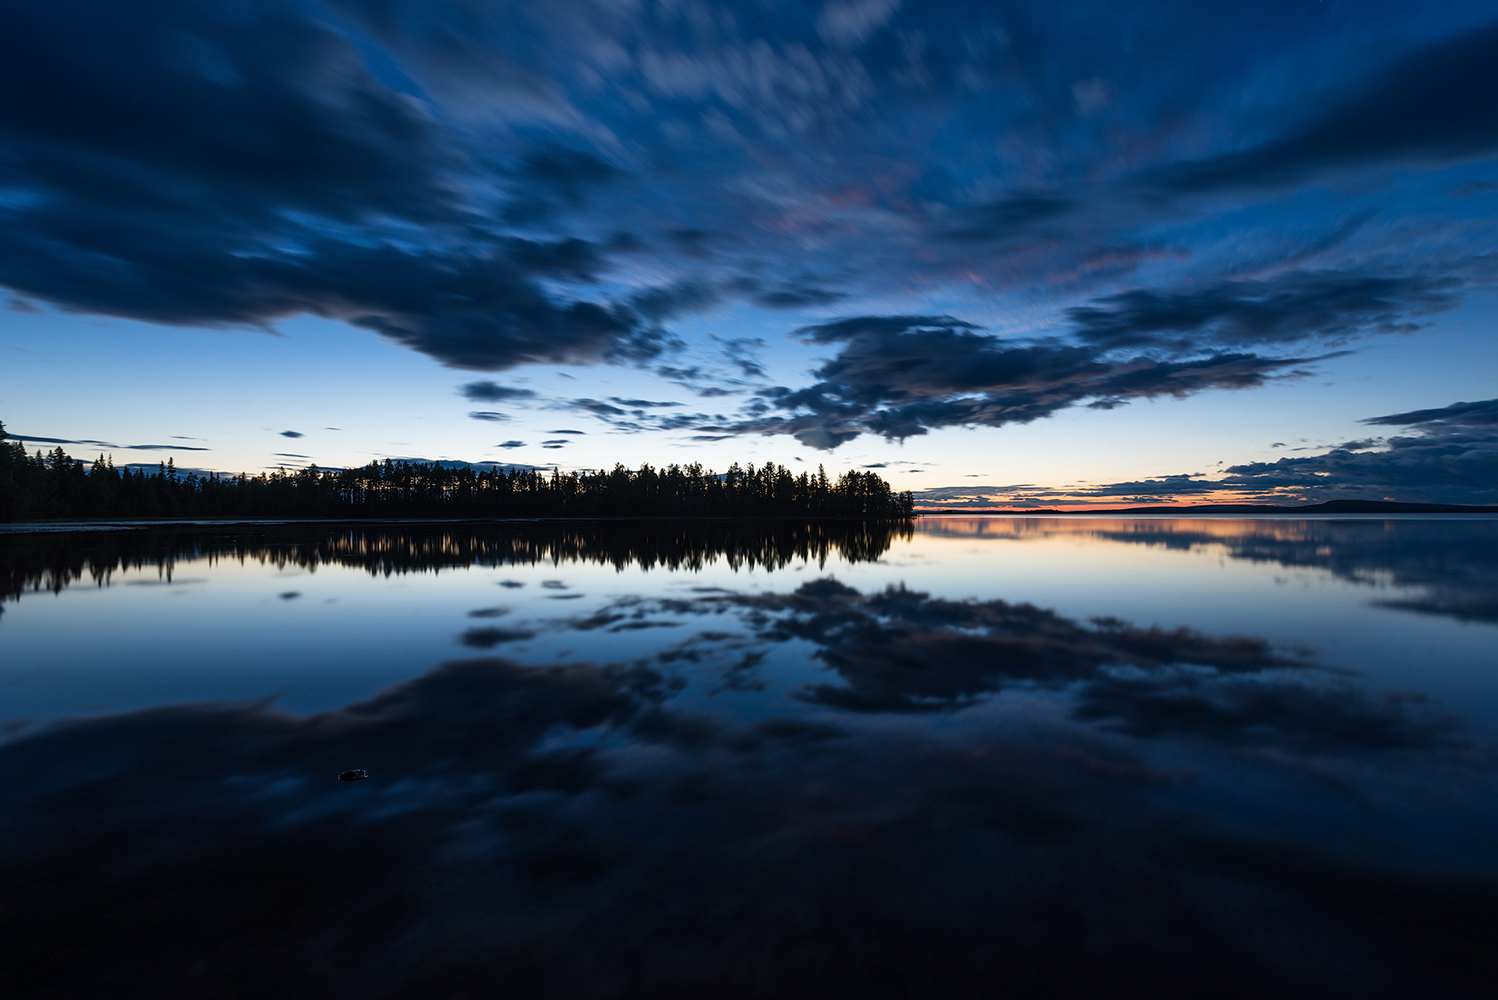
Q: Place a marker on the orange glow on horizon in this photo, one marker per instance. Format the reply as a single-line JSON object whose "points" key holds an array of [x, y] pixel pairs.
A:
{"points": [[979, 503]]}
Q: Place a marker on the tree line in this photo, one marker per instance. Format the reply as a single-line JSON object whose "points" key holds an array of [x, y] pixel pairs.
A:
{"points": [[56, 485]]}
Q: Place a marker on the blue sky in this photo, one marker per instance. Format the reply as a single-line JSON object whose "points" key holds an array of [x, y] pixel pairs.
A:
{"points": [[1027, 253]]}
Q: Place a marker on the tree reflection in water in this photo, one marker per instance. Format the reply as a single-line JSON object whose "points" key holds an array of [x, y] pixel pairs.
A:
{"points": [[54, 560]]}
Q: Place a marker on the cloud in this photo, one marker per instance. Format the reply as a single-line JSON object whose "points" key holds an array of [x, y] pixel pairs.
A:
{"points": [[489, 415], [333, 194], [640, 403], [52, 440], [597, 408], [163, 447], [565, 430], [105, 444], [1438, 104], [1005, 218], [1452, 458], [490, 392], [1479, 414], [556, 178], [511, 444], [795, 293], [1290, 308], [851, 22], [900, 376], [291, 434], [679, 299]]}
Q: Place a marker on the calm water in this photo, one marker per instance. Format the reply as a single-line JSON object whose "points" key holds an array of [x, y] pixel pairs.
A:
{"points": [[983, 757]]}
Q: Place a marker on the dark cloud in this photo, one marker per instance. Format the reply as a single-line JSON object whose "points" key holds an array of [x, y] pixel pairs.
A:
{"points": [[567, 170], [797, 294], [291, 434], [106, 444], [1438, 104], [555, 178], [570, 258], [143, 202], [489, 415], [511, 444], [640, 403], [1480, 414], [900, 376], [52, 440], [163, 447], [680, 299], [1004, 218], [1290, 308], [565, 430], [555, 443], [475, 315], [490, 392], [597, 408], [694, 243]]}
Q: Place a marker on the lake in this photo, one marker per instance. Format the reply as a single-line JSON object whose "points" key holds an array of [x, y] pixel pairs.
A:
{"points": [[973, 756]]}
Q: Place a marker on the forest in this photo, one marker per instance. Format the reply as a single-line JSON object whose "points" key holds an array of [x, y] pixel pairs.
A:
{"points": [[55, 485]]}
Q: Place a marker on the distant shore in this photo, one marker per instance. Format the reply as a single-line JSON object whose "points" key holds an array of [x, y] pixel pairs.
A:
{"points": [[1331, 507]]}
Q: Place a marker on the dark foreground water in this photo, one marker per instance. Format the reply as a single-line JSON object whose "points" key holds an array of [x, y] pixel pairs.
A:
{"points": [[988, 757]]}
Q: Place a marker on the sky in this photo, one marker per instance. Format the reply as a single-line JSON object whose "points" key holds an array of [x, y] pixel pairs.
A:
{"points": [[1028, 254]]}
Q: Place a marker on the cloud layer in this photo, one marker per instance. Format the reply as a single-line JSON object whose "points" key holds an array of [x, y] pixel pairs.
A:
{"points": [[494, 187]]}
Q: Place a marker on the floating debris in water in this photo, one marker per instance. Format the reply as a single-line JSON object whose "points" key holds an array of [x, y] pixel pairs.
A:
{"points": [[355, 775]]}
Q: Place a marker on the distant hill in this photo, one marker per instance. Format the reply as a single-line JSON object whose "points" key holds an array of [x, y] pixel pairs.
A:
{"points": [[1330, 507]]}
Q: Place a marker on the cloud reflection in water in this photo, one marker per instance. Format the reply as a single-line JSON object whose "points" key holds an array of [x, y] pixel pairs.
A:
{"points": [[587, 830]]}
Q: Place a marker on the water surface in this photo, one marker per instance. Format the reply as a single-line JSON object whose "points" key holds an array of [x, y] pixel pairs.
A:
{"points": [[980, 756]]}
